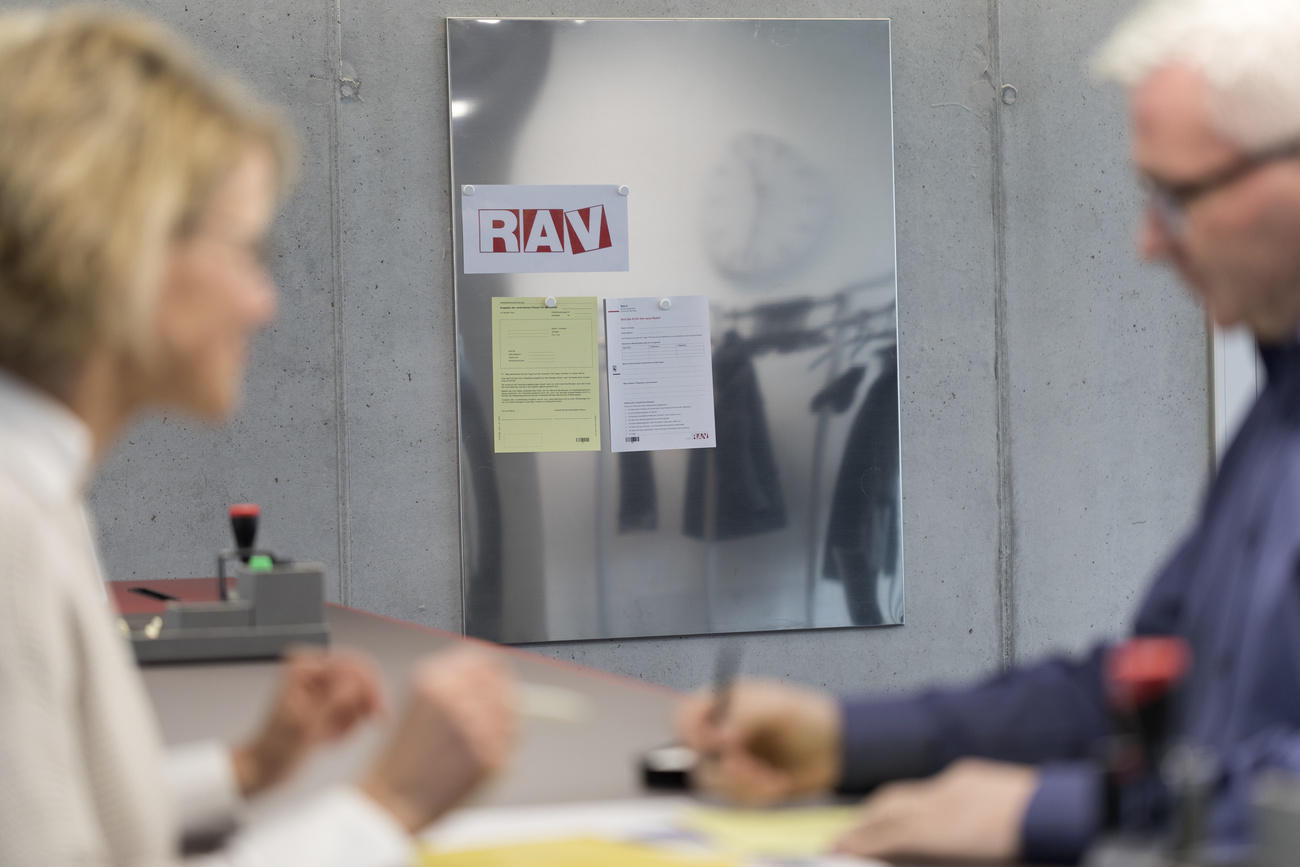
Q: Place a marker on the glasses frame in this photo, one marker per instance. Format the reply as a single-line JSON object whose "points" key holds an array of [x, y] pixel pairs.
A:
{"points": [[1170, 202]]}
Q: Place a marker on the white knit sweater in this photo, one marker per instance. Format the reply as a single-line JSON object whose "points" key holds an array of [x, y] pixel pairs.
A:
{"points": [[83, 776]]}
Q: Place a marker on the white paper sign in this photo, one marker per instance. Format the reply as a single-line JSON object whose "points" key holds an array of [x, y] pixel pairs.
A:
{"points": [[660, 373], [543, 229]]}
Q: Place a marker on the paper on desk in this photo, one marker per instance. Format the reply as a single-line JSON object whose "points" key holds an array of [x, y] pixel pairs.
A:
{"points": [[658, 821], [660, 373], [545, 391], [573, 852], [791, 831]]}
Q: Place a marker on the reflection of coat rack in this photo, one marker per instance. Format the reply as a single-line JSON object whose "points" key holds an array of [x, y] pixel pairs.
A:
{"points": [[842, 332], [779, 326]]}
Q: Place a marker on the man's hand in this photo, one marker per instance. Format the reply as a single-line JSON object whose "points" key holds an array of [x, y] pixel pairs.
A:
{"points": [[775, 742], [972, 811], [458, 728], [322, 697]]}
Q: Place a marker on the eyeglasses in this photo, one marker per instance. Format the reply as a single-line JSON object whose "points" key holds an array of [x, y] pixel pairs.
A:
{"points": [[1169, 202]]}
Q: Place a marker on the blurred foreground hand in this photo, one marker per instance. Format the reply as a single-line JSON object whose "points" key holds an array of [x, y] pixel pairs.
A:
{"points": [[973, 811], [457, 729], [322, 697], [774, 742]]}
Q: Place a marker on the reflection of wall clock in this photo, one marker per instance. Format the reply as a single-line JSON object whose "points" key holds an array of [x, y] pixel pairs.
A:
{"points": [[765, 207]]}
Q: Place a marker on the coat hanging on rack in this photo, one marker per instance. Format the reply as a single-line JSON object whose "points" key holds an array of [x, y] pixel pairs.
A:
{"points": [[862, 535], [746, 493]]}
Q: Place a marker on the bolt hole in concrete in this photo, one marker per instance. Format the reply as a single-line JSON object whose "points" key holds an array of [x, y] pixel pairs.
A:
{"points": [[1009, 94], [349, 82]]}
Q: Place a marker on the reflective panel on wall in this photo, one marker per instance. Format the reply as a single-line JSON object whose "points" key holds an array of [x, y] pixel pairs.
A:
{"points": [[759, 161]]}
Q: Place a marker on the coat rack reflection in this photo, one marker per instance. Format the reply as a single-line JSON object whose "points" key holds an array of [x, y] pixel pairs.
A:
{"points": [[846, 333]]}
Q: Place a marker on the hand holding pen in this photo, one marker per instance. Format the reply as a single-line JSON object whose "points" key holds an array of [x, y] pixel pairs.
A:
{"points": [[761, 742]]}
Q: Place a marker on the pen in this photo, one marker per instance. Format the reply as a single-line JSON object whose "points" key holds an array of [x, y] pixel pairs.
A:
{"points": [[723, 677]]}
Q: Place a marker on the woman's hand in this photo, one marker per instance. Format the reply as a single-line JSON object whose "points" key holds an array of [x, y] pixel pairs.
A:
{"points": [[457, 729], [322, 697]]}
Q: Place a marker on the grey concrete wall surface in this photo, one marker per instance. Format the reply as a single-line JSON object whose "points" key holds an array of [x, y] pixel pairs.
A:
{"points": [[1054, 403], [1108, 419]]}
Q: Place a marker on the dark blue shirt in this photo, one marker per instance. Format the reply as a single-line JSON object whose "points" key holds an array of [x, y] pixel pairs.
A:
{"points": [[1232, 590]]}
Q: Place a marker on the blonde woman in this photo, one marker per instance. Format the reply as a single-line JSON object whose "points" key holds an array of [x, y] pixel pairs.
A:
{"points": [[135, 192]]}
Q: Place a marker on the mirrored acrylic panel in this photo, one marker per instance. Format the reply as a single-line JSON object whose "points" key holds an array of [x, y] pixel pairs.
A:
{"points": [[759, 160]]}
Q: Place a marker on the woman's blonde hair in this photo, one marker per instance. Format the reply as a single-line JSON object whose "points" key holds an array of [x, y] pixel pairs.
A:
{"points": [[112, 137]]}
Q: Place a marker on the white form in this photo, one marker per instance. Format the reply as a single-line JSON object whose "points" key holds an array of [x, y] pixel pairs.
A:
{"points": [[660, 373]]}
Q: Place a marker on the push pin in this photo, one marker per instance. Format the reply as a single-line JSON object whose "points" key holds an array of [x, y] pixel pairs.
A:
{"points": [[665, 304], [550, 301]]}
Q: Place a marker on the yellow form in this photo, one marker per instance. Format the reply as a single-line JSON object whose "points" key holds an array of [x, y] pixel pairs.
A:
{"points": [[788, 832], [576, 852], [545, 390]]}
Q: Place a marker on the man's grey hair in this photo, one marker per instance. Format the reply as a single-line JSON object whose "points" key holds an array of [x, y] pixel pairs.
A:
{"points": [[1248, 52]]}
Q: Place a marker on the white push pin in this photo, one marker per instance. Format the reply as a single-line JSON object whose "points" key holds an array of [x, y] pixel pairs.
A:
{"points": [[550, 301], [623, 190], [467, 190], [665, 303]]}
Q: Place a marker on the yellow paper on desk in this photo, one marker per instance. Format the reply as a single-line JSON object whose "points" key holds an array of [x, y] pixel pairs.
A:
{"points": [[574, 852], [791, 831]]}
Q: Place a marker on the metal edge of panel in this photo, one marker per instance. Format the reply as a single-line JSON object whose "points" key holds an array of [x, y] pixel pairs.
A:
{"points": [[455, 315], [898, 339], [572, 18]]}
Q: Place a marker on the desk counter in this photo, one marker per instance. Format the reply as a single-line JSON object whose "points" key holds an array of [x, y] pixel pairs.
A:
{"points": [[555, 761]]}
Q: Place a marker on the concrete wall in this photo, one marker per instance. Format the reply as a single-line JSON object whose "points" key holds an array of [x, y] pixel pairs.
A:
{"points": [[1107, 402], [1055, 409]]}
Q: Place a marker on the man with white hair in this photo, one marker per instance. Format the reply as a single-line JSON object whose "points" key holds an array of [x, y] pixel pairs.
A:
{"points": [[1007, 769]]}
